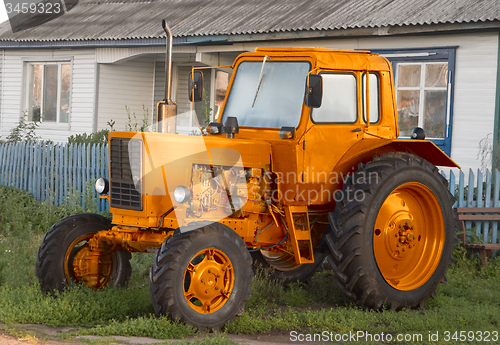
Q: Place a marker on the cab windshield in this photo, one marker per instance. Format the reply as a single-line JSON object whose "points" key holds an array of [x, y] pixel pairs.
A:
{"points": [[268, 95]]}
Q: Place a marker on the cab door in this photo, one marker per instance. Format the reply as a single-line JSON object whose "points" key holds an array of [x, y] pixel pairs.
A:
{"points": [[335, 127]]}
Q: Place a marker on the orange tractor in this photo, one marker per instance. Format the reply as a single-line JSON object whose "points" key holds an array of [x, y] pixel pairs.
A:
{"points": [[303, 165]]}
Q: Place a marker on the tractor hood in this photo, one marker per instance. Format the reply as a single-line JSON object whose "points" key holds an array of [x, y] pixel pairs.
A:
{"points": [[155, 164]]}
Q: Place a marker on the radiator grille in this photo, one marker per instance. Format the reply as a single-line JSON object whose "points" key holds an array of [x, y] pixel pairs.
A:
{"points": [[125, 173]]}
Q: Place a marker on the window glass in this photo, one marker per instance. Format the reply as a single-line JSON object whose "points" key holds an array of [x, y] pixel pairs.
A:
{"points": [[435, 75], [374, 95], [221, 83], [408, 104], [65, 92], [274, 102], [49, 110], [409, 75], [421, 92], [35, 93], [339, 102], [435, 113]]}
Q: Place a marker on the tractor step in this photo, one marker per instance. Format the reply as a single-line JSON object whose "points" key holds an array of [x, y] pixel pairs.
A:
{"points": [[297, 221]]}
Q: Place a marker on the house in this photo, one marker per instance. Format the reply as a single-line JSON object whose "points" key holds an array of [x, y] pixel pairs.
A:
{"points": [[104, 61]]}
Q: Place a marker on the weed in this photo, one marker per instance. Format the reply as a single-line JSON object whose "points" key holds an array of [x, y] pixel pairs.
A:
{"points": [[133, 125], [25, 130]]}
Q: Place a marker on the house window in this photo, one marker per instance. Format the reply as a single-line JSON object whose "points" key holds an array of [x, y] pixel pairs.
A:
{"points": [[424, 82], [421, 96], [49, 90]]}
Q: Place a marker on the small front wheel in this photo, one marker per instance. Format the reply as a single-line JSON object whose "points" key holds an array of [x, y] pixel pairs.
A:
{"points": [[64, 254], [202, 277]]}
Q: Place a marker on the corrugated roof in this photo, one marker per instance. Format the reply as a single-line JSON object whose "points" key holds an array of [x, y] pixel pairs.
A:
{"points": [[140, 19]]}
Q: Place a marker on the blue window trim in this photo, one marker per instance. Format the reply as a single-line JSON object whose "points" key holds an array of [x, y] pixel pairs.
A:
{"points": [[432, 54]]}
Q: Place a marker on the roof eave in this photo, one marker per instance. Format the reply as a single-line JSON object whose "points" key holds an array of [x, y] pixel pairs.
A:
{"points": [[270, 36]]}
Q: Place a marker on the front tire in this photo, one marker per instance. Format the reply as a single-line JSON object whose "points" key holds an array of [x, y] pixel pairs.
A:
{"points": [[393, 232], [202, 277], [63, 252]]}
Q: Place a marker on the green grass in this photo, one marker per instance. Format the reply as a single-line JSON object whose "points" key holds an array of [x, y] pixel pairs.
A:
{"points": [[470, 301]]}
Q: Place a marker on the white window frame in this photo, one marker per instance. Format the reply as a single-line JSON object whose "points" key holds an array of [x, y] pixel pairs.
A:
{"points": [[28, 85]]}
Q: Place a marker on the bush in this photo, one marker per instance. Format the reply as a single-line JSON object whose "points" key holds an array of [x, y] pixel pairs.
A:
{"points": [[100, 137]]}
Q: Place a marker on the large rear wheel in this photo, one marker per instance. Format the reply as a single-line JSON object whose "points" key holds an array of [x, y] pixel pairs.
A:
{"points": [[393, 232]]}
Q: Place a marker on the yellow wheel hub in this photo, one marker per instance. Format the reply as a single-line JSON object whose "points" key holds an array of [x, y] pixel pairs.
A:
{"points": [[94, 269], [408, 236], [208, 280]]}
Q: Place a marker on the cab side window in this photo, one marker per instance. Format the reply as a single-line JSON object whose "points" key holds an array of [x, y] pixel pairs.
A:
{"points": [[373, 95], [339, 103]]}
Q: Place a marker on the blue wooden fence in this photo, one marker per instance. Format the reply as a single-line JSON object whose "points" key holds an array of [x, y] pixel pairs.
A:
{"points": [[478, 190], [53, 171]]}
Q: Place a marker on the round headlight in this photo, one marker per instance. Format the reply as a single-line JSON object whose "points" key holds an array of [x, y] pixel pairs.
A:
{"points": [[182, 194], [102, 186]]}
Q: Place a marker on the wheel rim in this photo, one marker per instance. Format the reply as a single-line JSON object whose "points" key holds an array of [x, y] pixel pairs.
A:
{"points": [[409, 236], [78, 264], [208, 280]]}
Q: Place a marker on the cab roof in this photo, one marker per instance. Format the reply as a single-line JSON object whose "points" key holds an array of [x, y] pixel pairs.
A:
{"points": [[326, 59]]}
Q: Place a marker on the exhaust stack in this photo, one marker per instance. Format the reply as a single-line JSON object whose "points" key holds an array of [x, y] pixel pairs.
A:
{"points": [[167, 110]]}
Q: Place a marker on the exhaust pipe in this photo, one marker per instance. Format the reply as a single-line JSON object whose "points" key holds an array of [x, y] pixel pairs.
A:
{"points": [[166, 110]]}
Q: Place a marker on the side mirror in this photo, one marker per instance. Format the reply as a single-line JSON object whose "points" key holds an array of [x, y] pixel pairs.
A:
{"points": [[314, 91], [195, 86]]}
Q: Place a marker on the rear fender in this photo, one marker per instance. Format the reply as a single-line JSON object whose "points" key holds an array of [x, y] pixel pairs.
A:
{"points": [[364, 151]]}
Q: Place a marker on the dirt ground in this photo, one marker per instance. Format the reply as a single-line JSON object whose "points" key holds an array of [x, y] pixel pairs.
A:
{"points": [[45, 335]]}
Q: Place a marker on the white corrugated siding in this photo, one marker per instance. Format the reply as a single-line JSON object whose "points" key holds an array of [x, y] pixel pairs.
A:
{"points": [[82, 91], [123, 84]]}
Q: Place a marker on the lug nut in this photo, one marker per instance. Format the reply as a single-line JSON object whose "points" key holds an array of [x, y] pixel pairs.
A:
{"points": [[218, 275], [203, 280], [404, 249], [407, 223], [216, 288], [399, 244], [397, 235], [209, 271], [206, 291]]}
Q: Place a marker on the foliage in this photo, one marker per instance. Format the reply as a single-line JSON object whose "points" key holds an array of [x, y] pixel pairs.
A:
{"points": [[24, 131], [205, 109], [133, 125], [489, 153], [100, 137]]}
